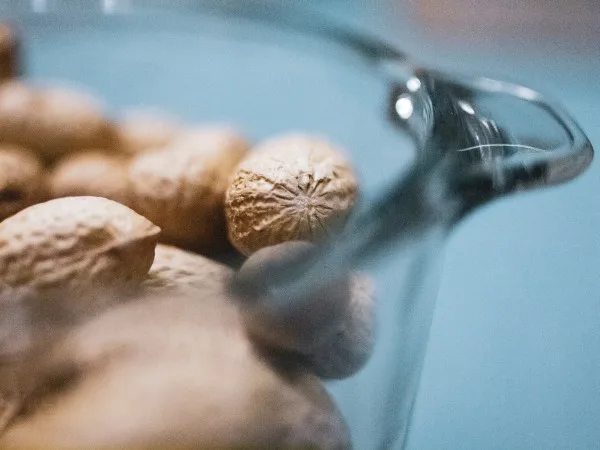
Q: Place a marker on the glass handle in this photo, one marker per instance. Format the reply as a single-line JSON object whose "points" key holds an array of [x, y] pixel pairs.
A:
{"points": [[492, 138]]}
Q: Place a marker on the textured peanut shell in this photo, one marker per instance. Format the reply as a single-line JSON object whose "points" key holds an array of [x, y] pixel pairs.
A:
{"points": [[143, 131], [52, 122], [10, 60], [175, 269], [182, 187], [91, 173], [75, 243], [293, 187], [22, 180], [177, 372]]}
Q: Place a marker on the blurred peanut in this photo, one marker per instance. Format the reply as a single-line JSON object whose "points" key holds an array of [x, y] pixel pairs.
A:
{"points": [[172, 369], [93, 173], [52, 122], [22, 180], [10, 58], [181, 188], [142, 131], [332, 326]]}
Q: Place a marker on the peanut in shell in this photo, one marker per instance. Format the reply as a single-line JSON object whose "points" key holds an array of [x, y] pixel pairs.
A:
{"points": [[181, 188], [292, 187], [175, 269], [141, 131], [52, 122], [10, 58], [91, 173], [74, 243], [22, 180]]}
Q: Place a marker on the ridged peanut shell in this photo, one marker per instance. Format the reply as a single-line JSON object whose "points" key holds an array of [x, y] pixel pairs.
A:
{"points": [[52, 122], [91, 173], [292, 187], [75, 243], [22, 180], [180, 270], [181, 188]]}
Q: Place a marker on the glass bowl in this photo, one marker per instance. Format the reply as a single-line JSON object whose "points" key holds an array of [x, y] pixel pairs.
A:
{"points": [[429, 147]]}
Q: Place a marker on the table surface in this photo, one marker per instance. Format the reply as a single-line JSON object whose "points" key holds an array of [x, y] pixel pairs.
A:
{"points": [[514, 356]]}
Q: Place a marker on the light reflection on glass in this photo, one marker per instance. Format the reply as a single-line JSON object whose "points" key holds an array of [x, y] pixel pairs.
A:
{"points": [[404, 106], [39, 6], [413, 84], [466, 107], [109, 6], [526, 93]]}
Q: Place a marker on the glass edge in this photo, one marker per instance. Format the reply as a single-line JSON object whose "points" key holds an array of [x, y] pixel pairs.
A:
{"points": [[291, 16], [556, 166]]}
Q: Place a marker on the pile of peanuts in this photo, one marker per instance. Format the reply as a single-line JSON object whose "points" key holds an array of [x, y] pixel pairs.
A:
{"points": [[201, 184], [141, 208]]}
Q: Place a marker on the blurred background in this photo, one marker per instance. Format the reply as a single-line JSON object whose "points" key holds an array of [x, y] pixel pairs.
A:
{"points": [[514, 356]]}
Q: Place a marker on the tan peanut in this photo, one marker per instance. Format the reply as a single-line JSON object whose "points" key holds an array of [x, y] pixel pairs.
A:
{"points": [[332, 326], [179, 270], [178, 371], [52, 122], [75, 243], [92, 173], [141, 131], [292, 187], [182, 187], [22, 180], [10, 58]]}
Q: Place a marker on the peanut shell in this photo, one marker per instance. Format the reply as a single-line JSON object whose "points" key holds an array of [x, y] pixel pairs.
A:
{"points": [[91, 173], [350, 342], [175, 371], [22, 180], [143, 131], [331, 326], [10, 59], [298, 322], [177, 269], [293, 187], [75, 243], [52, 122], [182, 187]]}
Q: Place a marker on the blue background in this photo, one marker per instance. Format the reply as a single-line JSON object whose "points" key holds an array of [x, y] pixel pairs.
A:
{"points": [[514, 357]]}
